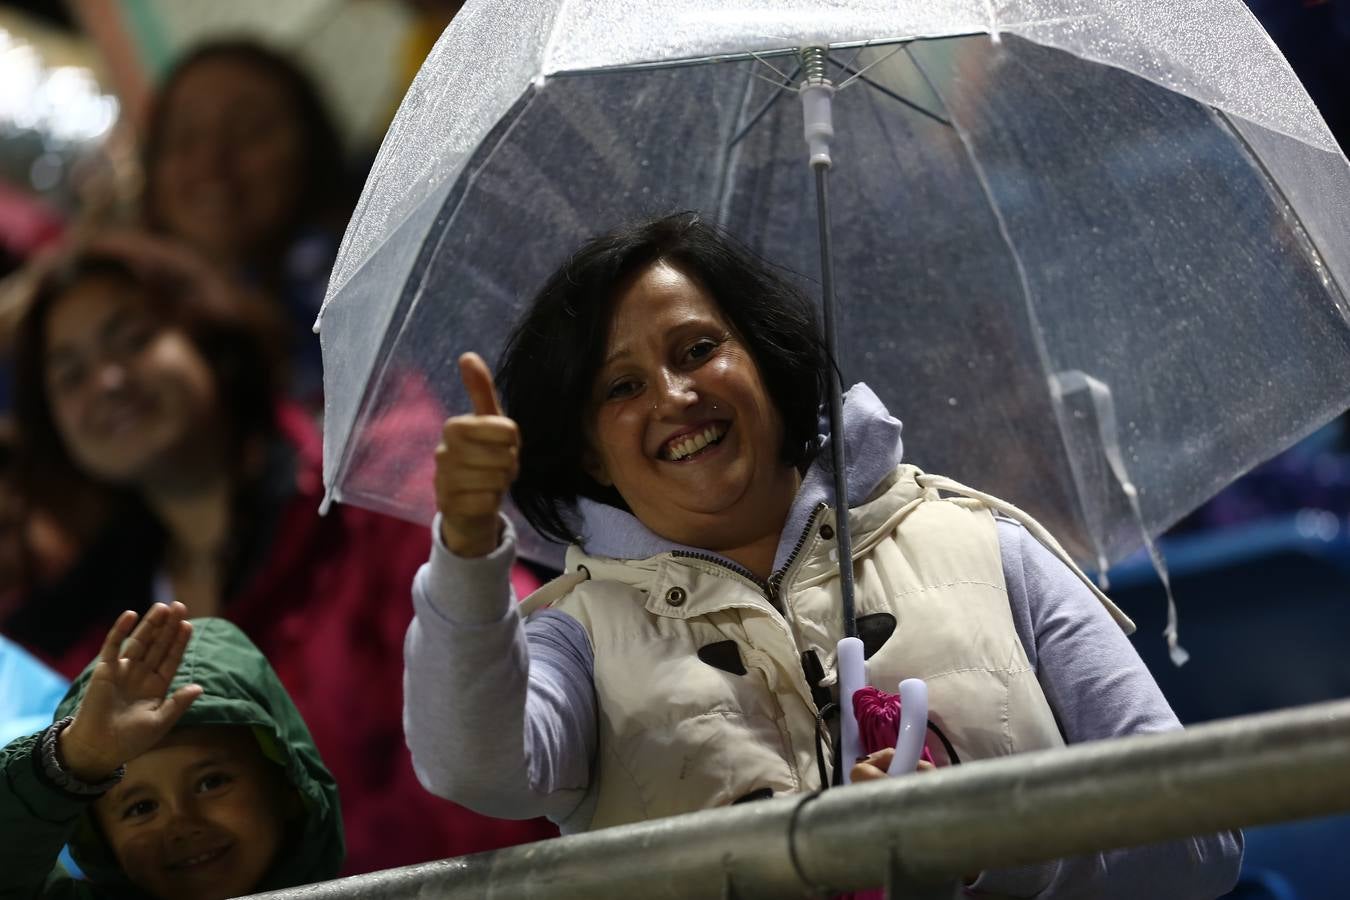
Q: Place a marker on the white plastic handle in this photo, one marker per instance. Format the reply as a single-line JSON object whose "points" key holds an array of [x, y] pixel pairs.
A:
{"points": [[913, 726], [852, 678]]}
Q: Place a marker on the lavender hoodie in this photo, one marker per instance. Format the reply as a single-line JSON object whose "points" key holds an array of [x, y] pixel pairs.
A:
{"points": [[500, 713]]}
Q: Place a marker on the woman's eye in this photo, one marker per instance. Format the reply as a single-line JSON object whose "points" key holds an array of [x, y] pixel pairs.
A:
{"points": [[131, 339], [702, 348], [620, 389], [66, 378], [212, 781], [139, 809]]}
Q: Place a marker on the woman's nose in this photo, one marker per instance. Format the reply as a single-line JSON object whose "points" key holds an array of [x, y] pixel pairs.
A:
{"points": [[111, 376], [675, 390]]}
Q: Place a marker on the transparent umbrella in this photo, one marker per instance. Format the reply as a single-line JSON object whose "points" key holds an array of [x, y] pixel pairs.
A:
{"points": [[1093, 254]]}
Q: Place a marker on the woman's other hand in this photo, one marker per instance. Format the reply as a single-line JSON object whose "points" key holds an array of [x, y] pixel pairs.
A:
{"points": [[476, 461], [124, 711], [874, 765]]}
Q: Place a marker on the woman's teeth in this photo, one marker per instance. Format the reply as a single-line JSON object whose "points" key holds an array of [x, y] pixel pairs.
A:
{"points": [[693, 443]]}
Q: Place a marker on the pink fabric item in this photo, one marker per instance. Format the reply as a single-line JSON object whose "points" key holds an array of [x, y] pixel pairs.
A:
{"points": [[878, 715]]}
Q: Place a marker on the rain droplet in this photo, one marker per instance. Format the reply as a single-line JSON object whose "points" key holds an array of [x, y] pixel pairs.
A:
{"points": [[951, 401]]}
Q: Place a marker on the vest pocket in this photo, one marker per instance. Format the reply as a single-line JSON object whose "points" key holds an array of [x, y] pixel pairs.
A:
{"points": [[703, 761]]}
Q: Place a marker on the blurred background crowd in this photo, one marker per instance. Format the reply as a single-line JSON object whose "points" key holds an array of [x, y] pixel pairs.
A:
{"points": [[191, 148]]}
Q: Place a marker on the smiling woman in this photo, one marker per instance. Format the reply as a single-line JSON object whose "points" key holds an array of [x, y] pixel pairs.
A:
{"points": [[243, 162], [662, 396], [140, 388]]}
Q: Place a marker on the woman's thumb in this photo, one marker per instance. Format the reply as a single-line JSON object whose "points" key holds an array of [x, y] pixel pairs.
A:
{"points": [[478, 385]]}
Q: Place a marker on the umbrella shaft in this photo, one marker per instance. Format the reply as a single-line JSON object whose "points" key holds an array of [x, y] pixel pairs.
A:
{"points": [[837, 451]]}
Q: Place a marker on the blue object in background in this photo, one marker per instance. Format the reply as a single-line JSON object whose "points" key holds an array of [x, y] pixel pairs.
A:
{"points": [[29, 692], [1265, 612]]}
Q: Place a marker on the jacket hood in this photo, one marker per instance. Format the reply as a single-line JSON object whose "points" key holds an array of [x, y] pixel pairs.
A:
{"points": [[240, 689], [873, 449]]}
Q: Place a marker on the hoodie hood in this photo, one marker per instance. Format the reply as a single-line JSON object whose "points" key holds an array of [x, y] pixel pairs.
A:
{"points": [[240, 689], [873, 448]]}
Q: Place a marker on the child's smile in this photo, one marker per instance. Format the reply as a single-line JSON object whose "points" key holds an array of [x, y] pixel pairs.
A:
{"points": [[201, 815]]}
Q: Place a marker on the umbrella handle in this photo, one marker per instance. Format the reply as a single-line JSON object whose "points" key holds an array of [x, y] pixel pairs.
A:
{"points": [[852, 678], [913, 726]]}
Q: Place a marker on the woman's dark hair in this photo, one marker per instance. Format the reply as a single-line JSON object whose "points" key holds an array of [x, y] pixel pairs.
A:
{"points": [[236, 334], [551, 359], [327, 188]]}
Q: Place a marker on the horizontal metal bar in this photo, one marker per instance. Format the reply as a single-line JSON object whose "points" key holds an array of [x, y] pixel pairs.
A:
{"points": [[1253, 770]]}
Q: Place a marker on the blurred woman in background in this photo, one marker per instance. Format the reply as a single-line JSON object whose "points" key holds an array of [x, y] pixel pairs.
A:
{"points": [[243, 162]]}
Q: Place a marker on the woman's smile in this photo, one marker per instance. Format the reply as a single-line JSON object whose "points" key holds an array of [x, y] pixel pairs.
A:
{"points": [[693, 444]]}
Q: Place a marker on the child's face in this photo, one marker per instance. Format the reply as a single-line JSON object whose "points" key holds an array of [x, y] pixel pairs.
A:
{"points": [[200, 816]]}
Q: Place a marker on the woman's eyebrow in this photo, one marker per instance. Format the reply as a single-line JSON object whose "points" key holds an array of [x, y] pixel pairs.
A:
{"points": [[60, 355], [614, 357], [115, 322]]}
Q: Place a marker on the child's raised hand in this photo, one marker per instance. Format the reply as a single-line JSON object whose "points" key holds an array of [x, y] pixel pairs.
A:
{"points": [[124, 711], [478, 458]]}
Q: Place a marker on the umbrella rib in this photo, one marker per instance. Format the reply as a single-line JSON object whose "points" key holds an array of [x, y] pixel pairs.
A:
{"points": [[761, 60], [730, 154], [763, 110], [858, 76], [854, 60]]}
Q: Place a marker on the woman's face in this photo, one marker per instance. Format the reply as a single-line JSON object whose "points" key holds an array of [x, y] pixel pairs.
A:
{"points": [[231, 162], [681, 423], [129, 396]]}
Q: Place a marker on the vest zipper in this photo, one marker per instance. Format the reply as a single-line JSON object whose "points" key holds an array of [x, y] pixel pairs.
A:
{"points": [[725, 564], [776, 579], [771, 587]]}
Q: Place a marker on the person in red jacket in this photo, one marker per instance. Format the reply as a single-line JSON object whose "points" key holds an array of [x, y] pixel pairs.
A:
{"points": [[144, 377]]}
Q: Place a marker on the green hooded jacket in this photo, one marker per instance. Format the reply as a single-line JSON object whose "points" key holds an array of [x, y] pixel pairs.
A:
{"points": [[37, 818]]}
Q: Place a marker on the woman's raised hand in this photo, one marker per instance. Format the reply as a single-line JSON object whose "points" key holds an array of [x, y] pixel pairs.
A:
{"points": [[478, 458], [874, 766], [124, 711]]}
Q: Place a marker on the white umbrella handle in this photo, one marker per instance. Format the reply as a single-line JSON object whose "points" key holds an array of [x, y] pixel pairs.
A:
{"points": [[913, 726], [852, 678]]}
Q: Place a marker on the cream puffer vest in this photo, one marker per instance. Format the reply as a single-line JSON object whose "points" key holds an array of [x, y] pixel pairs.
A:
{"points": [[703, 696]]}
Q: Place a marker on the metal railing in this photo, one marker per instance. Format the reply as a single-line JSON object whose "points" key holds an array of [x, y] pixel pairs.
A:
{"points": [[918, 834]]}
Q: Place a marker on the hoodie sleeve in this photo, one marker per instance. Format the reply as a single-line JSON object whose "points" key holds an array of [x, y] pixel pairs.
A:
{"points": [[1098, 688], [36, 819], [499, 714]]}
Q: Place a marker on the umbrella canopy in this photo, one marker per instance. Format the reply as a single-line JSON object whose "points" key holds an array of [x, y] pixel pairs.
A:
{"points": [[1091, 253]]}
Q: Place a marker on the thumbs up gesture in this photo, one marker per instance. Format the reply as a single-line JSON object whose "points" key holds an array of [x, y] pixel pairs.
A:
{"points": [[476, 461]]}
